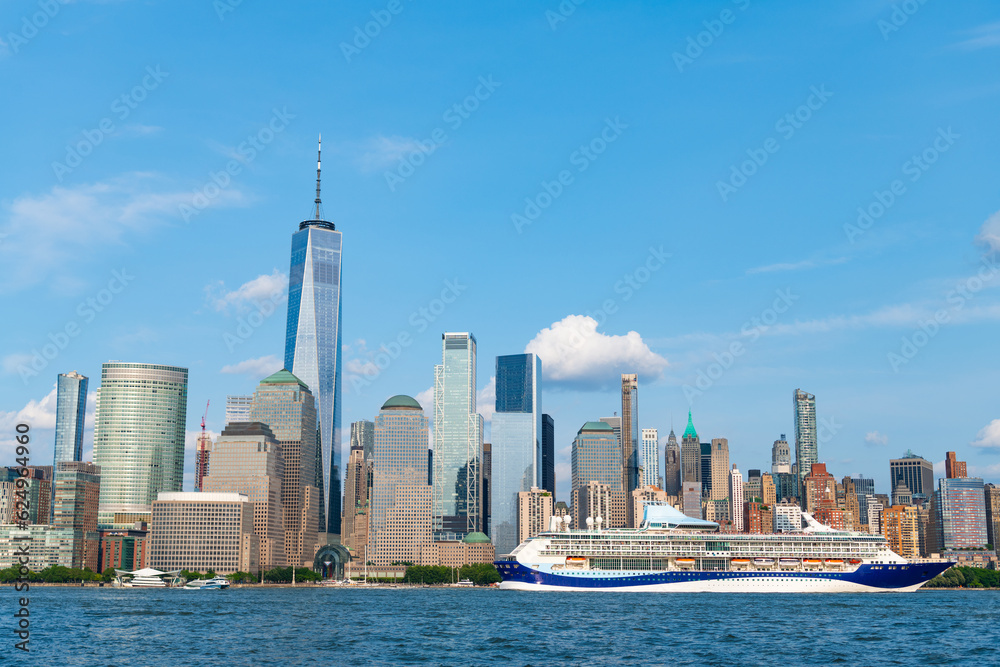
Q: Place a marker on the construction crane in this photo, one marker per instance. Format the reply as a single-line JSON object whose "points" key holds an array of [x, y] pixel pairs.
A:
{"points": [[201, 457]]}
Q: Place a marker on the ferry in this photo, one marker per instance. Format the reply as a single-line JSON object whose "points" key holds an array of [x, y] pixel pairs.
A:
{"points": [[673, 552], [215, 583]]}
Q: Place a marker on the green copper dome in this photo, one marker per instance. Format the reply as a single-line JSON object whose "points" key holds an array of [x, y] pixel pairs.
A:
{"points": [[401, 401], [476, 538], [689, 432], [283, 377]]}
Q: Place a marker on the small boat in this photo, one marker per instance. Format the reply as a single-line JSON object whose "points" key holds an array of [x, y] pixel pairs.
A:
{"points": [[685, 561], [215, 583], [763, 561], [855, 561], [834, 561], [575, 560], [740, 561], [788, 561], [811, 561], [463, 583]]}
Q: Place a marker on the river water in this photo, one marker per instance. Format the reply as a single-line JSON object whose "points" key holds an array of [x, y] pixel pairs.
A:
{"points": [[433, 626]]}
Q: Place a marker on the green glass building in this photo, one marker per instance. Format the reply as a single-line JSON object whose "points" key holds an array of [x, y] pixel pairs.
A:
{"points": [[138, 437]]}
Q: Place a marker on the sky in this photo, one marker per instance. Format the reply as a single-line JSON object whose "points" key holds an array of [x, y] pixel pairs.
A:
{"points": [[733, 199]]}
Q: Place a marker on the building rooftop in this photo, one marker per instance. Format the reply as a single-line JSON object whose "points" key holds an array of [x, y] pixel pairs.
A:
{"points": [[401, 401], [689, 432], [597, 426], [284, 376], [476, 538]]}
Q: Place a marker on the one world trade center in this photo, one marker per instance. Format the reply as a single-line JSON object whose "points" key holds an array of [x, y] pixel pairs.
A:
{"points": [[312, 342]]}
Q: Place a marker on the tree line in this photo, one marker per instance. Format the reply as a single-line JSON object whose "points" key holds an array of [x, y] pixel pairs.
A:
{"points": [[966, 577], [480, 574]]}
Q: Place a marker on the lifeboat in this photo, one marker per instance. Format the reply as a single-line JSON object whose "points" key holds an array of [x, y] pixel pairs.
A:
{"points": [[575, 561], [855, 561], [685, 561], [763, 561], [811, 561], [788, 561], [834, 561], [740, 561]]}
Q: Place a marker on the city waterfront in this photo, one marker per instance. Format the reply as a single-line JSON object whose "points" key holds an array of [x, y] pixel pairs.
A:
{"points": [[104, 626]]}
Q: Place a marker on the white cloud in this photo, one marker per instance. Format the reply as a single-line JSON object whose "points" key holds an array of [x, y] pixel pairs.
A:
{"points": [[988, 436], [191, 441], [50, 235], [260, 367], [382, 151], [983, 37], [574, 353], [876, 438], [795, 266], [264, 288], [39, 415], [989, 233], [426, 401], [486, 399]]}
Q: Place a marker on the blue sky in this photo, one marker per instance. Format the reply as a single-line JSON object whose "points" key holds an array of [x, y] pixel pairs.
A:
{"points": [[690, 176]]}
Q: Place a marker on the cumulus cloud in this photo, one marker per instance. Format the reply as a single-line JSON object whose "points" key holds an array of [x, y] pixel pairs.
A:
{"points": [[989, 233], [988, 436], [381, 151], [260, 367], [486, 399], [39, 415], [876, 438], [49, 236], [265, 288], [575, 354]]}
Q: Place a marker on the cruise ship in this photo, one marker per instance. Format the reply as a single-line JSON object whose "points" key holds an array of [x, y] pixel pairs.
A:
{"points": [[673, 552]]}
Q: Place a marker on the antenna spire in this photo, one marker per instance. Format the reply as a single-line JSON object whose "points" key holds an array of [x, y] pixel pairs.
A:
{"points": [[319, 162]]}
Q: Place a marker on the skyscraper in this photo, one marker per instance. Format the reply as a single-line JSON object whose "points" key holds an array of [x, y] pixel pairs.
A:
{"points": [[735, 492], [690, 455], [458, 439], [721, 472], [285, 404], [961, 502], [781, 456], [313, 340], [400, 523], [485, 485], [71, 408], [706, 469], [672, 466], [139, 437], [630, 439], [238, 409], [650, 457], [549, 454], [596, 457], [363, 436], [77, 490], [953, 468], [991, 494], [916, 472], [247, 459], [357, 499], [806, 448], [516, 439]]}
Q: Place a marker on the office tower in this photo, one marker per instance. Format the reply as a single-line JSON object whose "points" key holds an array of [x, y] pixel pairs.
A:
{"points": [[753, 487], [77, 494], [787, 517], [238, 409], [357, 496], [863, 488], [953, 468], [285, 404], [851, 506], [768, 490], [458, 439], [735, 493], [691, 499], [875, 508], [203, 531], [719, 466], [672, 466], [706, 469], [630, 438], [650, 457], [401, 504], [991, 494], [899, 525], [616, 426], [786, 486], [781, 456], [916, 472], [485, 485], [534, 509], [247, 459], [595, 456], [819, 489], [71, 408], [961, 501], [363, 436], [690, 454], [138, 437], [313, 339], [28, 491], [516, 443], [603, 503], [548, 454], [806, 448]]}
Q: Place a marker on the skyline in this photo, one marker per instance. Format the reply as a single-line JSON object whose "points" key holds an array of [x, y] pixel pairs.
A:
{"points": [[678, 278]]}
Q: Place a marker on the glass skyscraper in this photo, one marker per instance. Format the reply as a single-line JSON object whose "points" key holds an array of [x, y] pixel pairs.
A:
{"points": [[806, 447], [516, 431], [71, 408], [916, 472], [549, 454], [313, 341], [458, 439], [650, 457], [139, 437]]}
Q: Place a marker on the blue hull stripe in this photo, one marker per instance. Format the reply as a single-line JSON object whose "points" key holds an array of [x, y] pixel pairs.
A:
{"points": [[888, 577]]}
